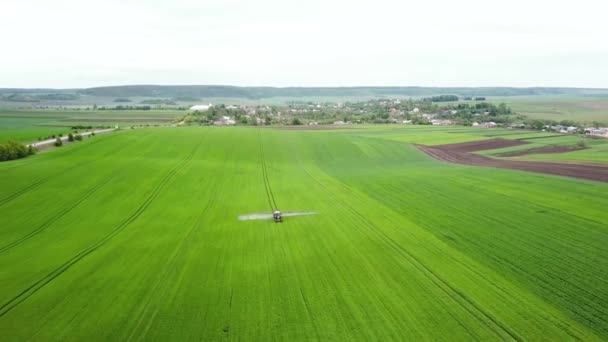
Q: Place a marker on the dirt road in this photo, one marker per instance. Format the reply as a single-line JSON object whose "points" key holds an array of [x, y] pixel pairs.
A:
{"points": [[51, 142]]}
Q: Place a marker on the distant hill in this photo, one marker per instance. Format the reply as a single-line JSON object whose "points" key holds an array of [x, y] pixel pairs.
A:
{"points": [[211, 91]]}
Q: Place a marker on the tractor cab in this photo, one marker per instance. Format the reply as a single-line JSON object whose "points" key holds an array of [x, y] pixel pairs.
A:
{"points": [[278, 217]]}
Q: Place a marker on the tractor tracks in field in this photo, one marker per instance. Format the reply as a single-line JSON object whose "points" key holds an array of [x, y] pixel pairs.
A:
{"points": [[22, 191], [56, 217], [160, 287], [469, 305], [56, 174], [269, 194], [35, 287]]}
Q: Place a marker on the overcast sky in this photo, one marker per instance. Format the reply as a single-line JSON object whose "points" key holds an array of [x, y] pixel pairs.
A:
{"points": [[70, 43]]}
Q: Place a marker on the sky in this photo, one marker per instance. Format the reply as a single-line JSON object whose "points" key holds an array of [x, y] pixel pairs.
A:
{"points": [[74, 44]]}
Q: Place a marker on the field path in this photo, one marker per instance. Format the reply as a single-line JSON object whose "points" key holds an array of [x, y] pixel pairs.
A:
{"points": [[51, 142]]}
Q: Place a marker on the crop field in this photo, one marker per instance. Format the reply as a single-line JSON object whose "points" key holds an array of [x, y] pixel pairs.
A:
{"points": [[134, 235], [580, 109], [28, 125], [595, 150]]}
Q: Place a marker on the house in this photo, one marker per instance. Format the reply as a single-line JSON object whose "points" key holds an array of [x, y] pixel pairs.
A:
{"points": [[597, 132], [485, 124], [225, 121], [436, 122], [201, 108]]}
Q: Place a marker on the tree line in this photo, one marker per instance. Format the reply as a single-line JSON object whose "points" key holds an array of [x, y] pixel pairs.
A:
{"points": [[12, 150]]}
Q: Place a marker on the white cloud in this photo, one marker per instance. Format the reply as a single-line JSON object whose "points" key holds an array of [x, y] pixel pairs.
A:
{"points": [[69, 43]]}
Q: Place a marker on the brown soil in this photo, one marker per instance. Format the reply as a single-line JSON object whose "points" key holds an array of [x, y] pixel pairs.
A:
{"points": [[315, 127], [539, 150], [452, 153], [117, 120], [595, 105], [481, 145]]}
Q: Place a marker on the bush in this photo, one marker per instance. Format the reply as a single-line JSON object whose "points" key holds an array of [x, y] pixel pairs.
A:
{"points": [[78, 137], [13, 150], [58, 142], [296, 121], [70, 137]]}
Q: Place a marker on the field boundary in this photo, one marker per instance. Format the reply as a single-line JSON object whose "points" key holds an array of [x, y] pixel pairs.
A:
{"points": [[466, 303]]}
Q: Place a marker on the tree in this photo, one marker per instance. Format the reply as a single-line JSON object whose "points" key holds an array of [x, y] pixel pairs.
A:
{"points": [[78, 137], [70, 137], [12, 150], [58, 142], [537, 124], [581, 144], [296, 122], [503, 109]]}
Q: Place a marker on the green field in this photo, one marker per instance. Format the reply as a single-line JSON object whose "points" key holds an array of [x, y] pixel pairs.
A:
{"points": [[134, 235]]}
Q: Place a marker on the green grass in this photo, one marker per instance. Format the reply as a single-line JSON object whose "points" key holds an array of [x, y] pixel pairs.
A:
{"points": [[133, 235]]}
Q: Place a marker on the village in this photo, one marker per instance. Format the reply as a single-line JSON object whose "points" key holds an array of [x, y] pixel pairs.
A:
{"points": [[474, 113]]}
